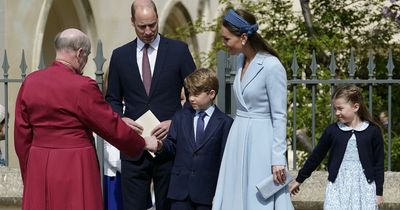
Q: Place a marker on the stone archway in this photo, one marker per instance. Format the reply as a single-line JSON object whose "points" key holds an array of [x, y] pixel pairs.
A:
{"points": [[55, 16], [62, 14], [178, 16]]}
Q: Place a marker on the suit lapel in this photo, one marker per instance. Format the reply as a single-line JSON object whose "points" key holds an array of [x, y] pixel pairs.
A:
{"points": [[252, 71], [189, 132], [136, 69], [160, 62], [237, 84], [212, 127]]}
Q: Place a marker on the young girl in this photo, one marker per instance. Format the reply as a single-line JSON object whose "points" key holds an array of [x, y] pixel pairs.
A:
{"points": [[356, 155]]}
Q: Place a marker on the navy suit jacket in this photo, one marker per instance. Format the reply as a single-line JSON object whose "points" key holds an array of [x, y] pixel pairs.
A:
{"points": [[196, 168], [173, 63]]}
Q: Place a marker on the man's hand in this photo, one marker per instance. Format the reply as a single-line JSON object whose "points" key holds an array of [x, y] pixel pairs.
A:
{"points": [[132, 124], [151, 143], [161, 130]]}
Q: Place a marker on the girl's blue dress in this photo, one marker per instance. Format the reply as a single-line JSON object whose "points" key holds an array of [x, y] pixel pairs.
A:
{"points": [[351, 191]]}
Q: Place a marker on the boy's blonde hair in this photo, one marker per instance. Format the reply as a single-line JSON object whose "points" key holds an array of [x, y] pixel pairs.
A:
{"points": [[202, 80]]}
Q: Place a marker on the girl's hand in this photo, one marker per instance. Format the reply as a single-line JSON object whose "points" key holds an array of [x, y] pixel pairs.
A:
{"points": [[294, 187], [379, 199]]}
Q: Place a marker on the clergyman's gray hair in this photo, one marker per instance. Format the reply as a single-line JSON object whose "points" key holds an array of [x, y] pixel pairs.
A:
{"points": [[62, 42]]}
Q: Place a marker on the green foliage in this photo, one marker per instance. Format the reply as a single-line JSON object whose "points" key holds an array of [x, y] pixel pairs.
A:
{"points": [[339, 25], [203, 59], [395, 152]]}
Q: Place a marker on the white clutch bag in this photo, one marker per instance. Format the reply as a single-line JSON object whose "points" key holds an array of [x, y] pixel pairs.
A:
{"points": [[267, 187]]}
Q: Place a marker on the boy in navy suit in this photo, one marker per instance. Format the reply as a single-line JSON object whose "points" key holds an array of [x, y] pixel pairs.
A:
{"points": [[197, 138]]}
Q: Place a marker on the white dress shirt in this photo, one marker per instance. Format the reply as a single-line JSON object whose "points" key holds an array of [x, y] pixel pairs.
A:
{"points": [[209, 111], [151, 52]]}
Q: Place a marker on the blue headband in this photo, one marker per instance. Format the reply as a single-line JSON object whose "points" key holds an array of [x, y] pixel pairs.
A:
{"points": [[233, 18]]}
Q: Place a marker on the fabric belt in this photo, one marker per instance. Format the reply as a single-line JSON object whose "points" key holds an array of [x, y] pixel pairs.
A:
{"points": [[61, 138], [252, 115]]}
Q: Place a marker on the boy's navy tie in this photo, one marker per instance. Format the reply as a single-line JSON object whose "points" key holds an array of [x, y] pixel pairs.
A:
{"points": [[200, 127]]}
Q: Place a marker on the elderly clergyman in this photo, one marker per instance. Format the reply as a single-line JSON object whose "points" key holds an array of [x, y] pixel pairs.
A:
{"points": [[57, 110]]}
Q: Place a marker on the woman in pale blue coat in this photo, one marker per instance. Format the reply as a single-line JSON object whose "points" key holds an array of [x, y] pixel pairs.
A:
{"points": [[256, 145]]}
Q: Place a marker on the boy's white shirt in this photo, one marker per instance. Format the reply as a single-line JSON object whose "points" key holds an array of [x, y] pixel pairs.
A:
{"points": [[112, 161], [209, 111]]}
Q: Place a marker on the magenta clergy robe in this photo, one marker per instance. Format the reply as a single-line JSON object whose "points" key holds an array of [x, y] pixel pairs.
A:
{"points": [[57, 111]]}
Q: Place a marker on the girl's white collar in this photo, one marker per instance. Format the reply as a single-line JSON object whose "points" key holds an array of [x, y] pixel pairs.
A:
{"points": [[364, 125]]}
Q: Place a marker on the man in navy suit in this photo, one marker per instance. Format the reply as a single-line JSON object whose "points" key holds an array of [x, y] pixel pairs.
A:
{"points": [[167, 62], [197, 139]]}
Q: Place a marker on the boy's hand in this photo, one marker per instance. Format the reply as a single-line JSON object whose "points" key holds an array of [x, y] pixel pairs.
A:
{"points": [[151, 143], [160, 145]]}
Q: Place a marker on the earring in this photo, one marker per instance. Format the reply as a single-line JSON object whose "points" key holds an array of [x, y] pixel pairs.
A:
{"points": [[243, 43]]}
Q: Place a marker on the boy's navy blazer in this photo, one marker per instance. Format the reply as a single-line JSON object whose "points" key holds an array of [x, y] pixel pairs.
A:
{"points": [[196, 167], [173, 63]]}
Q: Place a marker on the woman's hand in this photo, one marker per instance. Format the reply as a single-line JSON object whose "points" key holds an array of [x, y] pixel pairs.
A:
{"points": [[278, 172]]}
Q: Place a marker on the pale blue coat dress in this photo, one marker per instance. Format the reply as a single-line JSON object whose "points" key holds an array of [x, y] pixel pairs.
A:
{"points": [[257, 139]]}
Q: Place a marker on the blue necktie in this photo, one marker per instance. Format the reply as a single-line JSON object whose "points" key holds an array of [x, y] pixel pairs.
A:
{"points": [[200, 127]]}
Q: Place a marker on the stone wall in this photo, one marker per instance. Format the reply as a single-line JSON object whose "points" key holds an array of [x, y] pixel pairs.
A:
{"points": [[10, 188], [310, 197], [312, 192]]}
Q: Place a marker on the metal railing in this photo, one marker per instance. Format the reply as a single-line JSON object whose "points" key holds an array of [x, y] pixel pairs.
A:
{"points": [[227, 66], [226, 70]]}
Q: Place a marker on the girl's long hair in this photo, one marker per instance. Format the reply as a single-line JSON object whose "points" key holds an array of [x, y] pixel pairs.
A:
{"points": [[353, 94]]}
